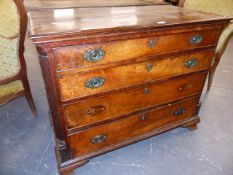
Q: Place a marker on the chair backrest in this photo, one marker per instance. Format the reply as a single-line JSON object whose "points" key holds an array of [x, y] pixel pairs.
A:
{"points": [[221, 7], [10, 19], [9, 39]]}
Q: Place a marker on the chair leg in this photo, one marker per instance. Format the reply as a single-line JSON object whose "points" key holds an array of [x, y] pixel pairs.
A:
{"points": [[210, 79], [212, 71], [28, 95]]}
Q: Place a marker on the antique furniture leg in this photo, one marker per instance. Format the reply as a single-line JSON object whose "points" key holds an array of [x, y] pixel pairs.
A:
{"points": [[28, 95], [193, 125], [64, 155], [211, 73], [70, 172], [71, 169]]}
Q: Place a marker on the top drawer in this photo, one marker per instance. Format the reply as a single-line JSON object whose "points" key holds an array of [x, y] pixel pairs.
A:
{"points": [[80, 56]]}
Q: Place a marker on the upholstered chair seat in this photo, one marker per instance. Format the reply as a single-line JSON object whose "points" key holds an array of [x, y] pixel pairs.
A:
{"points": [[10, 90]]}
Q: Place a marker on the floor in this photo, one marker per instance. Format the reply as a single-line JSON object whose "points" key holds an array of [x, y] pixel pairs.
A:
{"points": [[27, 144]]}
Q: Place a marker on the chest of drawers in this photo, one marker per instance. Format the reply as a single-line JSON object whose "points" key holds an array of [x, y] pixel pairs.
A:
{"points": [[115, 76]]}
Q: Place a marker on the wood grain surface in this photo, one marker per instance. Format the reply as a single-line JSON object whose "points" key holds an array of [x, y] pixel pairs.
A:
{"points": [[145, 85], [41, 4], [126, 102], [75, 20], [73, 56], [130, 127], [73, 86]]}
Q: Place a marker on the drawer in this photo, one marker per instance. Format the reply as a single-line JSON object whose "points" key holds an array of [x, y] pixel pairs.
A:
{"points": [[109, 134], [112, 106], [102, 80], [87, 55]]}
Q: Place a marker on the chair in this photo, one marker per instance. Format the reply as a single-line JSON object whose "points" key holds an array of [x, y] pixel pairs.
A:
{"points": [[221, 7], [13, 74]]}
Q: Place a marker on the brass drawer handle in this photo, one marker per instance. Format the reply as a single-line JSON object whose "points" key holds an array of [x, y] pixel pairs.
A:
{"points": [[152, 43], [196, 39], [149, 67], [94, 55], [96, 110], [179, 112], [191, 63], [98, 139], [95, 82]]}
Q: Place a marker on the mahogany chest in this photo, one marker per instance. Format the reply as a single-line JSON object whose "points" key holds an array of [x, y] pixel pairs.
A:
{"points": [[118, 75]]}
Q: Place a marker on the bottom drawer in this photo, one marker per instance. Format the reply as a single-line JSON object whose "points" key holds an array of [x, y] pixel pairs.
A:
{"points": [[105, 135]]}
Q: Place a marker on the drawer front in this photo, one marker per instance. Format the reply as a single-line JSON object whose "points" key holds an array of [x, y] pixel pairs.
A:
{"points": [[114, 105], [105, 135], [101, 53], [84, 84]]}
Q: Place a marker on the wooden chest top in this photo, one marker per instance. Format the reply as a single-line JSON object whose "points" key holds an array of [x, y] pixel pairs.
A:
{"points": [[51, 23], [39, 4]]}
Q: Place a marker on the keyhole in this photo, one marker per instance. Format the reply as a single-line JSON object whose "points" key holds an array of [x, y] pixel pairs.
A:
{"points": [[152, 43], [94, 54], [149, 67], [143, 117], [146, 91], [95, 82]]}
